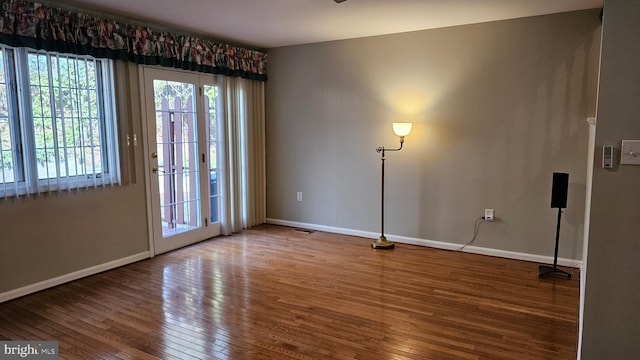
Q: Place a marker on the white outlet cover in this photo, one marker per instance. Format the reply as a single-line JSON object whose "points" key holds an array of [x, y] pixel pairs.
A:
{"points": [[630, 152], [488, 214]]}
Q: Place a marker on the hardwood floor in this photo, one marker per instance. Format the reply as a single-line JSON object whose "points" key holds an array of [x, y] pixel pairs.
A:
{"points": [[276, 293]]}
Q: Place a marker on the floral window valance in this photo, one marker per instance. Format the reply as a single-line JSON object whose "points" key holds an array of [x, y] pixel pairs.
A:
{"points": [[38, 26]]}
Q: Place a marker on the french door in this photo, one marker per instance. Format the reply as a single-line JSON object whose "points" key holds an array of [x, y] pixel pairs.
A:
{"points": [[181, 116]]}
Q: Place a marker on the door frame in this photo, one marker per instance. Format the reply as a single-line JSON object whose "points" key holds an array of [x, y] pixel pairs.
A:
{"points": [[211, 229]]}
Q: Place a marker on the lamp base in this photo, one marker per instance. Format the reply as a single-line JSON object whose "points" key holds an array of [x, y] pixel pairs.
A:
{"points": [[548, 270], [382, 243]]}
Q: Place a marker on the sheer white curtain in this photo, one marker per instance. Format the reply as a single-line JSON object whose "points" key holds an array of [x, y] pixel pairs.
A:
{"points": [[243, 188]]}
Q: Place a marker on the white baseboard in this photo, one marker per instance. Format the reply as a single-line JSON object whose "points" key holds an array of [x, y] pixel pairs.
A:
{"points": [[432, 243], [29, 289]]}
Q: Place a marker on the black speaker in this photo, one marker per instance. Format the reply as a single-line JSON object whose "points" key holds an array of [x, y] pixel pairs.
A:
{"points": [[559, 190]]}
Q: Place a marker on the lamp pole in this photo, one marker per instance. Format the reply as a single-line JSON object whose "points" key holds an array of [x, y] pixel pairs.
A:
{"points": [[382, 242]]}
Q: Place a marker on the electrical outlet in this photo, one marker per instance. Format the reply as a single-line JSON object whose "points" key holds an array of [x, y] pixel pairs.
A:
{"points": [[488, 214], [299, 196]]}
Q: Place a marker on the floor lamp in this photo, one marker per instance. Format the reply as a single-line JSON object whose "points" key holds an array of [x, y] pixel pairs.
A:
{"points": [[401, 130]]}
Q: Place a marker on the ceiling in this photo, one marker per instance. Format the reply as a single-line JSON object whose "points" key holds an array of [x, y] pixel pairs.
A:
{"points": [[274, 23]]}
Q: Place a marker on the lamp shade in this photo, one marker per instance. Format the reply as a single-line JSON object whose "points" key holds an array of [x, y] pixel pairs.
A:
{"points": [[402, 129]]}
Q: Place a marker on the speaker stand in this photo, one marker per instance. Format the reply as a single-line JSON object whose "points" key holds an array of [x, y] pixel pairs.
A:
{"points": [[545, 270]]}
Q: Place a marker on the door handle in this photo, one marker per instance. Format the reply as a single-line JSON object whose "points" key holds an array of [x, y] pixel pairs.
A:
{"points": [[155, 169], [154, 155]]}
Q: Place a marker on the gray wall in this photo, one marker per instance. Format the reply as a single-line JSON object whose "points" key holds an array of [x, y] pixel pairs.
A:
{"points": [[52, 235], [497, 108], [46, 236], [612, 301]]}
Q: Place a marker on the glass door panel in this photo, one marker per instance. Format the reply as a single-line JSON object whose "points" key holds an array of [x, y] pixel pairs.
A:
{"points": [[211, 104], [177, 149]]}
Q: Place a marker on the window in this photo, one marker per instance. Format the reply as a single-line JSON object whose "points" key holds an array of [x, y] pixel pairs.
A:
{"points": [[57, 124]]}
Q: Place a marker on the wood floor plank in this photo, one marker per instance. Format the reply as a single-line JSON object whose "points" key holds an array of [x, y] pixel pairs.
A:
{"points": [[273, 292]]}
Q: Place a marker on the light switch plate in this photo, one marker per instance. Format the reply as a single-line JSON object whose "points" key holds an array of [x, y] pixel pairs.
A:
{"points": [[630, 152], [608, 157]]}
